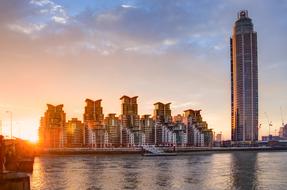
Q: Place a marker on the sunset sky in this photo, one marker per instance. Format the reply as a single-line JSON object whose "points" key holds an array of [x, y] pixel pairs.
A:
{"points": [[63, 51]]}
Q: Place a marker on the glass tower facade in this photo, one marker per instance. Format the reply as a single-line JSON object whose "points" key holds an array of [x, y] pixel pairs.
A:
{"points": [[244, 80]]}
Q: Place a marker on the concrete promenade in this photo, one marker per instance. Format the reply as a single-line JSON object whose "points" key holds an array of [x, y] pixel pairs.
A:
{"points": [[138, 150]]}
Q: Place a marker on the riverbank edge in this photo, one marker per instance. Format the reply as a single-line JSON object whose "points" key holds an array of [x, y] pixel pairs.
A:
{"points": [[178, 150], [14, 180]]}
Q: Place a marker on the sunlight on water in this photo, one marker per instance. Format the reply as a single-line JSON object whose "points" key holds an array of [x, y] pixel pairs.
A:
{"points": [[238, 170]]}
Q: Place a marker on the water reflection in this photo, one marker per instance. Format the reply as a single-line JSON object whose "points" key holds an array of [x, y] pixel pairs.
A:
{"points": [[130, 174], [238, 170], [244, 170], [163, 173]]}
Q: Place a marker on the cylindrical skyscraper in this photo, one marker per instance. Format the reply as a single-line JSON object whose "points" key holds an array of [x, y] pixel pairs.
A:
{"points": [[244, 80]]}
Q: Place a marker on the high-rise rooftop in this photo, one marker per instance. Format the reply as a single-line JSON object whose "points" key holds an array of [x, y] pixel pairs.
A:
{"points": [[244, 80]]}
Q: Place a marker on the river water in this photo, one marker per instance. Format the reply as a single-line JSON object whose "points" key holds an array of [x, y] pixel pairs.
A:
{"points": [[237, 170]]}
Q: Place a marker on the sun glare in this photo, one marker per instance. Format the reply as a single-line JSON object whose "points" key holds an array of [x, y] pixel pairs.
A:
{"points": [[23, 129], [29, 131]]}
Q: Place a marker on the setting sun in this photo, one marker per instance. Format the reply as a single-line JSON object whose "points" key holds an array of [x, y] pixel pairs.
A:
{"points": [[143, 94]]}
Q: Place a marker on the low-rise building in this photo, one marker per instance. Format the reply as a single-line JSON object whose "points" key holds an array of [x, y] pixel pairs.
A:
{"points": [[113, 127], [73, 133], [51, 130], [127, 130], [147, 127]]}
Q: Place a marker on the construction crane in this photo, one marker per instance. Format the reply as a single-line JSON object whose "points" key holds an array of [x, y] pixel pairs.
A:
{"points": [[282, 117], [269, 122], [259, 127]]}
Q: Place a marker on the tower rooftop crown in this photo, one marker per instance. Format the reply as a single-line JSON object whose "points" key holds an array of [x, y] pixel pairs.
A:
{"points": [[243, 23], [242, 14]]}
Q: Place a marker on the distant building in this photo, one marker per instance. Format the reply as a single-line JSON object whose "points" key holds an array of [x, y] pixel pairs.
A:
{"points": [[164, 135], [147, 127], [179, 130], [197, 132], [162, 112], [127, 130], [271, 138], [178, 118], [283, 132], [51, 130], [73, 133], [139, 137], [113, 127], [94, 129], [129, 116], [132, 135], [244, 80], [282, 135], [194, 114], [218, 137], [127, 137], [208, 136]]}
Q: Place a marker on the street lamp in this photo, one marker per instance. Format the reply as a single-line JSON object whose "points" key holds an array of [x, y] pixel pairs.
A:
{"points": [[11, 115], [0, 127]]}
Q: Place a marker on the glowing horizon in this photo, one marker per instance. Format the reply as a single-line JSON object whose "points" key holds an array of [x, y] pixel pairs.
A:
{"points": [[62, 52]]}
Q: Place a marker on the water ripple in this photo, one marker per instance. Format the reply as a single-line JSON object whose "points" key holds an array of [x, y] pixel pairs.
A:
{"points": [[238, 170]]}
